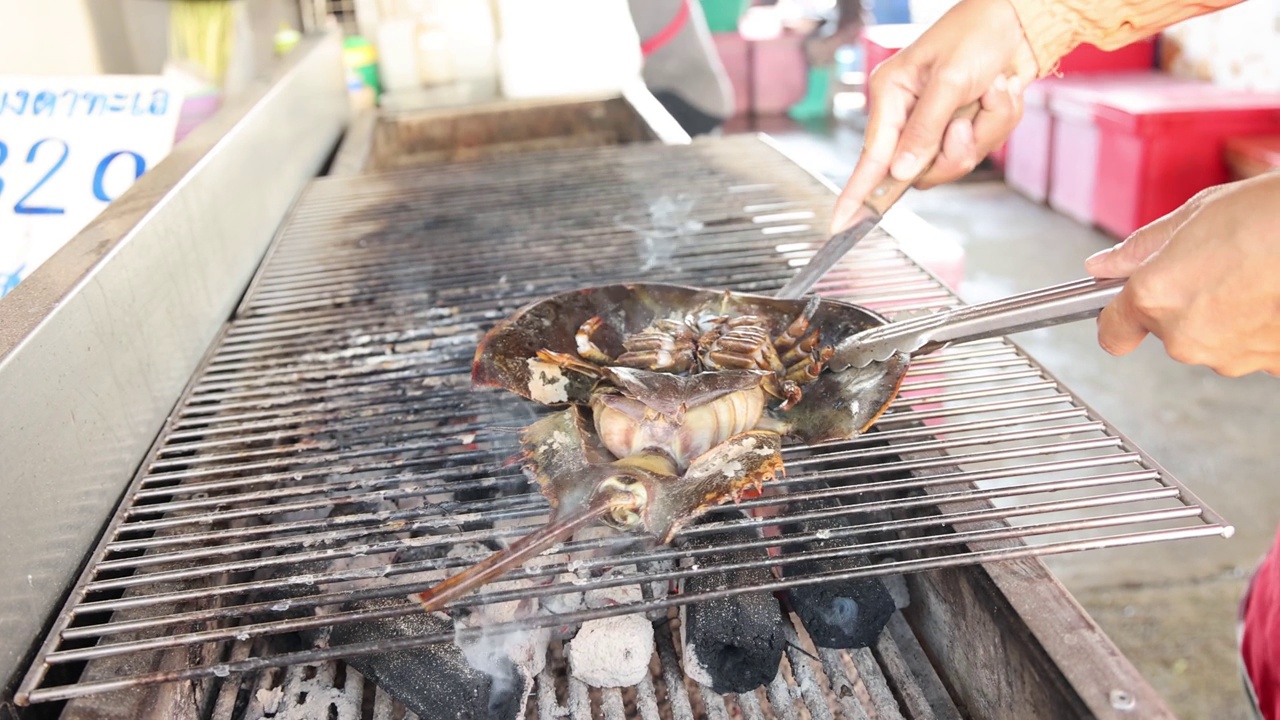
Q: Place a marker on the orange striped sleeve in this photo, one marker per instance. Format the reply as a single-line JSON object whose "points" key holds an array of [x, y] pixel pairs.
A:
{"points": [[1055, 27]]}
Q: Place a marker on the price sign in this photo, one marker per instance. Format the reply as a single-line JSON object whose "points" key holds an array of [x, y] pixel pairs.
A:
{"points": [[68, 147]]}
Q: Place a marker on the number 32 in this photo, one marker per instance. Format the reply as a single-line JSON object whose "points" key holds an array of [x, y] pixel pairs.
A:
{"points": [[22, 207]]}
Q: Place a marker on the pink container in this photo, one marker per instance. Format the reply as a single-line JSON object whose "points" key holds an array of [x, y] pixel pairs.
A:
{"points": [[1074, 140], [779, 74], [1153, 146], [735, 55], [1026, 166]]}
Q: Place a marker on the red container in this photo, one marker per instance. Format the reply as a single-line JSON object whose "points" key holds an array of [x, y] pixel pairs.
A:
{"points": [[1138, 55], [1125, 155], [735, 55], [1057, 154], [1026, 156], [1253, 155], [881, 42]]}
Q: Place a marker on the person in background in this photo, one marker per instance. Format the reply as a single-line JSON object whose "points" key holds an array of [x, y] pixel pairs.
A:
{"points": [[844, 29], [1204, 280], [681, 66]]}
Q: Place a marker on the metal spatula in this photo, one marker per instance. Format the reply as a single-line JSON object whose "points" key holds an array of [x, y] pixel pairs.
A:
{"points": [[883, 197], [1046, 307]]}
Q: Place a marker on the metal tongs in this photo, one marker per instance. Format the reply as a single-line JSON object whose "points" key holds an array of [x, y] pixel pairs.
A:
{"points": [[1055, 305]]}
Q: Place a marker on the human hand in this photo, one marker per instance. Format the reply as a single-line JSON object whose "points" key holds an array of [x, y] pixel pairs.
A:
{"points": [[1204, 279], [976, 51]]}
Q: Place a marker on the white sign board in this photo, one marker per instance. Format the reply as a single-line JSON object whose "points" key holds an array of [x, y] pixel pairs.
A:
{"points": [[68, 147]]}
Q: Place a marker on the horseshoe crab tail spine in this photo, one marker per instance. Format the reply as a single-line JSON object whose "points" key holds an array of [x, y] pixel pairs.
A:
{"points": [[503, 561]]}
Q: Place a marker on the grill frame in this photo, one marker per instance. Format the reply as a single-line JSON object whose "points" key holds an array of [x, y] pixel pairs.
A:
{"points": [[1031, 566]]}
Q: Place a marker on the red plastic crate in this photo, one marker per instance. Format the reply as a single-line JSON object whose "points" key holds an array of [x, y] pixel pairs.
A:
{"points": [[1127, 154]]}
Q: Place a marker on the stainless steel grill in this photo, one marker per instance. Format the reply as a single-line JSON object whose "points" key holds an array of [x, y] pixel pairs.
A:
{"points": [[330, 449]]}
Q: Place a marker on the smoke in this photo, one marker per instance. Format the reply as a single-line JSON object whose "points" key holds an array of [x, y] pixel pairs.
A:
{"points": [[667, 220], [511, 659]]}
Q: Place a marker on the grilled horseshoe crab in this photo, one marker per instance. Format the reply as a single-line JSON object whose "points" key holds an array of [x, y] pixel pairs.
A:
{"points": [[678, 400]]}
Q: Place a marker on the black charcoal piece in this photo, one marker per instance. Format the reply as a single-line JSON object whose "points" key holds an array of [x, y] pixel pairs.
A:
{"points": [[434, 681], [842, 614], [732, 644]]}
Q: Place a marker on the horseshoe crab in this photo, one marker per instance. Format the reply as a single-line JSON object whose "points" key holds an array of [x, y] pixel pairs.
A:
{"points": [[678, 400]]}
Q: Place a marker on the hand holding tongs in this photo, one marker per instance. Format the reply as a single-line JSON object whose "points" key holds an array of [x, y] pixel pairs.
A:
{"points": [[1046, 307]]}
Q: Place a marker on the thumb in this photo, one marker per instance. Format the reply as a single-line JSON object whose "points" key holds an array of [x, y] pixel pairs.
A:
{"points": [[1120, 261], [1120, 325]]}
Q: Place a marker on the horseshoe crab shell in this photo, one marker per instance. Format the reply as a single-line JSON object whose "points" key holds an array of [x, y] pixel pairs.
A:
{"points": [[835, 406]]}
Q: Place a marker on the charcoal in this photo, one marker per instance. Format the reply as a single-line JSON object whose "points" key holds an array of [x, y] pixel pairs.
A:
{"points": [[434, 681], [842, 614], [732, 644]]}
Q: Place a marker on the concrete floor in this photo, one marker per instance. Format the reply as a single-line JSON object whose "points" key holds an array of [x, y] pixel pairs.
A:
{"points": [[1170, 607]]}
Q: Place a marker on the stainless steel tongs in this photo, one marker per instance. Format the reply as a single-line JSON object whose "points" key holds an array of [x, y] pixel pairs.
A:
{"points": [[1046, 307]]}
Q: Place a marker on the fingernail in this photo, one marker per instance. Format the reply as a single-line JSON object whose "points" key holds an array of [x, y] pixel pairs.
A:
{"points": [[905, 167], [1015, 85], [1096, 258], [1001, 83]]}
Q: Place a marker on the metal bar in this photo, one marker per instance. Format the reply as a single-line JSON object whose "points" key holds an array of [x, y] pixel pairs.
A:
{"points": [[903, 680], [936, 500], [646, 699], [873, 680], [802, 671], [841, 684], [935, 692], [781, 701], [611, 704], [244, 632], [940, 521], [672, 675]]}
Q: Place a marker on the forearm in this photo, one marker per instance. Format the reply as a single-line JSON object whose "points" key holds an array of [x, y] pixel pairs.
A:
{"points": [[1055, 27]]}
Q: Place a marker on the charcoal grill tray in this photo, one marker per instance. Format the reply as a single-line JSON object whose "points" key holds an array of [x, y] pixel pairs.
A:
{"points": [[342, 382]]}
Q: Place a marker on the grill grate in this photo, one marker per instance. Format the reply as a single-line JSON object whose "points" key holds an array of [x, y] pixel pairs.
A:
{"points": [[330, 448]]}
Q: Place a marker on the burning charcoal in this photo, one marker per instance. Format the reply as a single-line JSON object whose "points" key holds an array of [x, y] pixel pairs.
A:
{"points": [[612, 651], [436, 681], [732, 644], [844, 614]]}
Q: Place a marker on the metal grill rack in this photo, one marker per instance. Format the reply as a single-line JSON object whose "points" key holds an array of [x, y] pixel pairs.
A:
{"points": [[330, 448]]}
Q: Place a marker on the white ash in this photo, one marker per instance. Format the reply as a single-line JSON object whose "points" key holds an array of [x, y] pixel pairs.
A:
{"points": [[612, 651], [694, 667], [269, 699], [897, 586], [565, 602]]}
